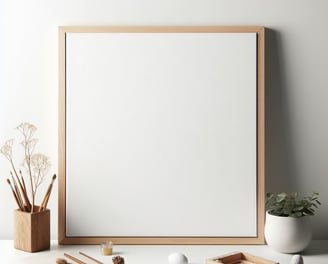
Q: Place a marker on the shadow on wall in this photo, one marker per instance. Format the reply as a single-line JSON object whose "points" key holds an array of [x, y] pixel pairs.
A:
{"points": [[279, 159], [281, 165]]}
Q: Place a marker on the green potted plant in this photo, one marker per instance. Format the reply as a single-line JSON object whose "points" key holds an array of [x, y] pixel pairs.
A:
{"points": [[287, 226]]}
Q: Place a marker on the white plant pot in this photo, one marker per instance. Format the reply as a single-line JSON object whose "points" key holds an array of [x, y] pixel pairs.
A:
{"points": [[287, 234]]}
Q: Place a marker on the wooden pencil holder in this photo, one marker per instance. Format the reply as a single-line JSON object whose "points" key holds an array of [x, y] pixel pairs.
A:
{"points": [[32, 230]]}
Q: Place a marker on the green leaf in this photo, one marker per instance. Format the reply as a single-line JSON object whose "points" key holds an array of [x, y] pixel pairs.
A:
{"points": [[297, 214], [269, 196], [299, 208], [294, 195], [281, 197]]}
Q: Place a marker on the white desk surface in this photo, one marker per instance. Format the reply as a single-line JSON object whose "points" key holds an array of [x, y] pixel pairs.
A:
{"points": [[153, 254]]}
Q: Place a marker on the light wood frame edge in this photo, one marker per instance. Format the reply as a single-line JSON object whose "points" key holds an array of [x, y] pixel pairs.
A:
{"points": [[239, 256], [261, 134], [259, 239], [62, 138]]}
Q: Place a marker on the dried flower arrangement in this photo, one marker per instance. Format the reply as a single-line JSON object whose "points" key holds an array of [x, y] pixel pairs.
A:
{"points": [[36, 166]]}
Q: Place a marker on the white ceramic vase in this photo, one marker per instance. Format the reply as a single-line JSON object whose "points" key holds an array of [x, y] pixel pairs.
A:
{"points": [[287, 234]]}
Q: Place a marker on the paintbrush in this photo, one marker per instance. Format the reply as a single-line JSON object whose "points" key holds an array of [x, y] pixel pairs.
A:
{"points": [[74, 259], [18, 194], [45, 200], [89, 257], [19, 186], [27, 200], [12, 189], [27, 203]]}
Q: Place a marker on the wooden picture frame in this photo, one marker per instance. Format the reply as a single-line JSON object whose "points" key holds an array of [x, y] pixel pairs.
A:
{"points": [[92, 154]]}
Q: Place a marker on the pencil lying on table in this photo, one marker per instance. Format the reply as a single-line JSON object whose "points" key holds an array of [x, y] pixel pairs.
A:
{"points": [[44, 203]]}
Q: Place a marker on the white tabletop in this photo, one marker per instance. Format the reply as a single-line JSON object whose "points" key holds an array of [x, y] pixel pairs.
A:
{"points": [[146, 254]]}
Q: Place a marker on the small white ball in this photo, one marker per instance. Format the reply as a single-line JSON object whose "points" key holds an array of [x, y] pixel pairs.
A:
{"points": [[177, 258], [297, 259]]}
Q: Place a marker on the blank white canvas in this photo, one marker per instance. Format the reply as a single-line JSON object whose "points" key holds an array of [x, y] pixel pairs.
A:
{"points": [[161, 134]]}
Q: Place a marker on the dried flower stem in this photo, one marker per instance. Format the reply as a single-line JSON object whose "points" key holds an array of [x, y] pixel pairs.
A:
{"points": [[28, 163]]}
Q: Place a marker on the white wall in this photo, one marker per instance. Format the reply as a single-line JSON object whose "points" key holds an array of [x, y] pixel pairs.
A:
{"points": [[297, 87]]}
